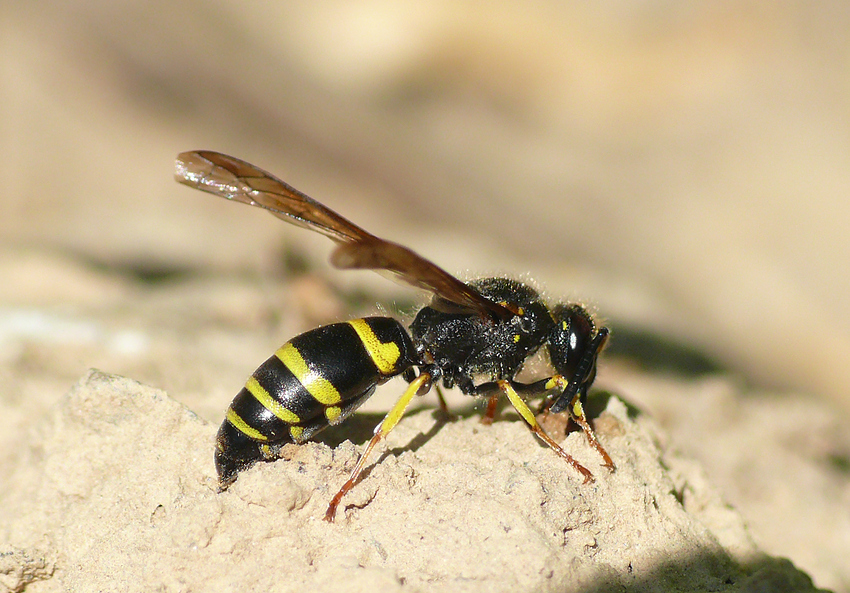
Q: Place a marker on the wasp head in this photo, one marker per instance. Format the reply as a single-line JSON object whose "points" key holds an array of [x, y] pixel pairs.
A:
{"points": [[574, 345]]}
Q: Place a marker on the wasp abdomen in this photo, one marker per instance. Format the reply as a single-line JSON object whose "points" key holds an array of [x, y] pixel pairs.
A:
{"points": [[315, 380]]}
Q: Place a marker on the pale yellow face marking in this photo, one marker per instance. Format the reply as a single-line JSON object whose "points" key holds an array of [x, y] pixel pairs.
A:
{"points": [[268, 402], [319, 387], [332, 413], [383, 354], [243, 427]]}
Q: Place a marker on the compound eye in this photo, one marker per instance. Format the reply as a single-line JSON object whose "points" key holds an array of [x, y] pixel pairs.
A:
{"points": [[581, 329], [573, 341], [571, 338]]}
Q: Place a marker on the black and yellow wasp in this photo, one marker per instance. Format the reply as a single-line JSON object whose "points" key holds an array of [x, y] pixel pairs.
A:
{"points": [[484, 329]]}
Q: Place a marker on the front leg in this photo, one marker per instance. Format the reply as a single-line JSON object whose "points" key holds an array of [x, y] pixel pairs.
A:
{"points": [[556, 385], [492, 391], [507, 387], [550, 388]]}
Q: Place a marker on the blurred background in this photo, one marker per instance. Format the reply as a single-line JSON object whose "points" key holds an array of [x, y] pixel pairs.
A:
{"points": [[681, 168]]}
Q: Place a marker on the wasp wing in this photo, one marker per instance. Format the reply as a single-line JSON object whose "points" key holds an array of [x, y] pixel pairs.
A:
{"points": [[419, 272], [234, 179]]}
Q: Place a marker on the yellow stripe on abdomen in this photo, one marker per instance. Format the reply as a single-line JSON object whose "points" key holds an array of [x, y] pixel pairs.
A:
{"points": [[383, 354], [243, 427], [319, 387], [268, 402]]}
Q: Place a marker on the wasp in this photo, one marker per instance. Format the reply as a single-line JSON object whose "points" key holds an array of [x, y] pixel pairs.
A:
{"points": [[482, 330]]}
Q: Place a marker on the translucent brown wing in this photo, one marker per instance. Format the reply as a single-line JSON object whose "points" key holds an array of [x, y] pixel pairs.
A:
{"points": [[234, 179]]}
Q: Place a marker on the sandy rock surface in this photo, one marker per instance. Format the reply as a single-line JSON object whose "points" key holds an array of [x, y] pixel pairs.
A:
{"points": [[115, 490]]}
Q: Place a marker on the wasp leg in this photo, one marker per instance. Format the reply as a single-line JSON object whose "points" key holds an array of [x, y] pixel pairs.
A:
{"points": [[522, 408], [444, 408], [419, 386], [557, 384], [577, 414], [490, 412]]}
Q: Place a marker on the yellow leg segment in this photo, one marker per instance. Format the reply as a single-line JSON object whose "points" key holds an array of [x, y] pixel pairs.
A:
{"points": [[559, 384], [528, 416], [381, 431], [577, 412]]}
